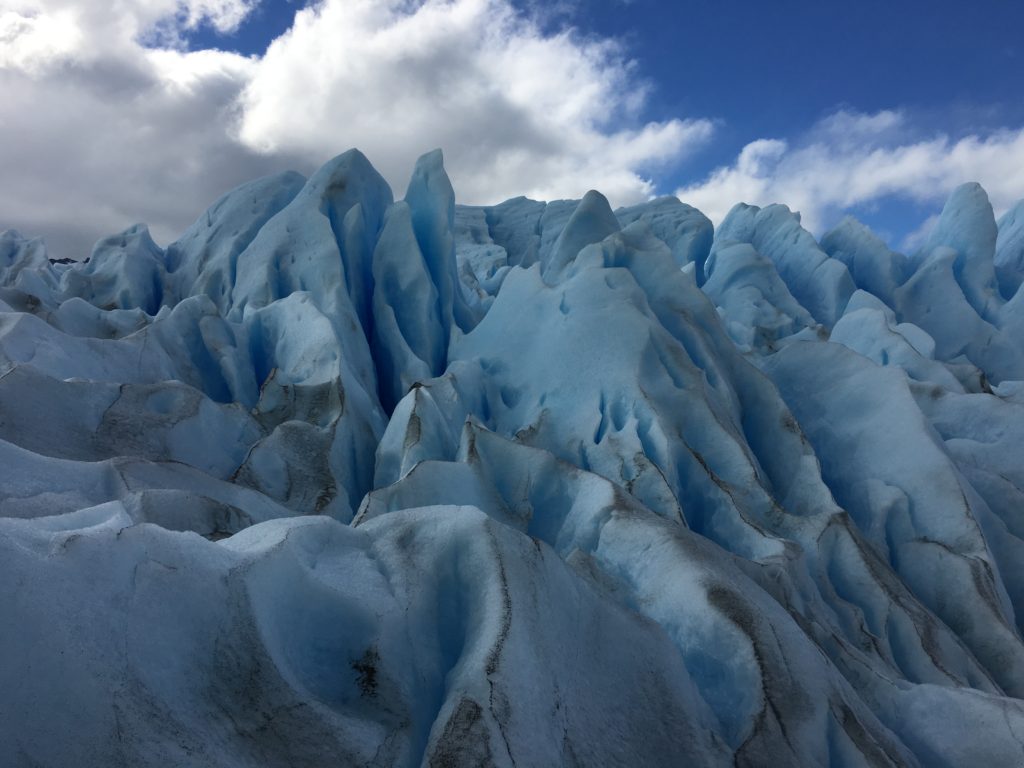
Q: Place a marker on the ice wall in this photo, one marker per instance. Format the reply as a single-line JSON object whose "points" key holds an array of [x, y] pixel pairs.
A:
{"points": [[339, 479]]}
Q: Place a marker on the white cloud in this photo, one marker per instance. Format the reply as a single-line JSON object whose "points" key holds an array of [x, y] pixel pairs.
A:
{"points": [[106, 119], [39, 35], [852, 159], [516, 111], [82, 156], [29, 40], [98, 132]]}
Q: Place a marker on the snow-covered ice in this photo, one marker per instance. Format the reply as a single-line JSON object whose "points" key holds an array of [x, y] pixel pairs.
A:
{"points": [[336, 479]]}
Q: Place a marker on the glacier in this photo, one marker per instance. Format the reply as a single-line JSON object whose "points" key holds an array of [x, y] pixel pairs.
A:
{"points": [[339, 479]]}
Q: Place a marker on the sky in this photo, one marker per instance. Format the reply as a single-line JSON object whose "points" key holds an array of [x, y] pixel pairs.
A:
{"points": [[127, 111]]}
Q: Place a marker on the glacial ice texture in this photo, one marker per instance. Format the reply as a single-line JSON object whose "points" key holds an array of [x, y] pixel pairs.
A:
{"points": [[335, 479]]}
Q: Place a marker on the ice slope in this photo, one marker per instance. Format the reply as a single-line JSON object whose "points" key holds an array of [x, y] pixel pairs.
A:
{"points": [[340, 479]]}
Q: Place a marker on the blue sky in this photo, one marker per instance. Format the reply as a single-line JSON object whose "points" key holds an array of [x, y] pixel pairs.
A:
{"points": [[773, 68], [872, 108]]}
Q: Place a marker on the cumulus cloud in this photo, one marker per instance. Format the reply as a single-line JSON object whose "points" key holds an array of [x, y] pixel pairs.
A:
{"points": [[39, 35], [29, 40], [106, 118], [851, 159], [91, 148], [517, 111], [98, 131]]}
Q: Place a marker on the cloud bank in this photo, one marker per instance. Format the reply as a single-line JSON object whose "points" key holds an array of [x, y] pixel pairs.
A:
{"points": [[107, 117], [851, 159], [517, 111], [104, 124]]}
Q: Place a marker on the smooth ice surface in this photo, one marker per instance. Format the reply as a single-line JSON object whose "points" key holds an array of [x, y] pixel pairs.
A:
{"points": [[336, 479]]}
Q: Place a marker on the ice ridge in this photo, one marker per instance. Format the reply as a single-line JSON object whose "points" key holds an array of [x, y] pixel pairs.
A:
{"points": [[340, 479]]}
